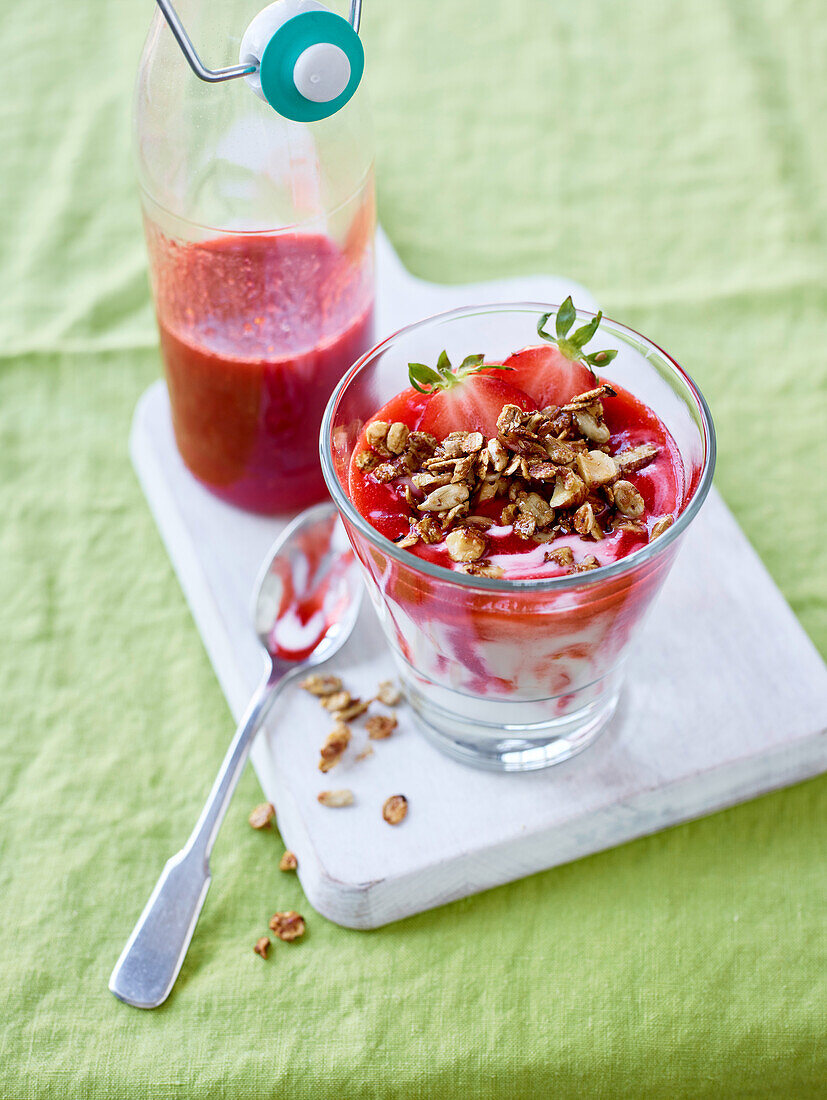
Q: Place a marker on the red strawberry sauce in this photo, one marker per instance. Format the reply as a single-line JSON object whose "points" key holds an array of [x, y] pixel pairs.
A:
{"points": [[630, 422], [255, 332]]}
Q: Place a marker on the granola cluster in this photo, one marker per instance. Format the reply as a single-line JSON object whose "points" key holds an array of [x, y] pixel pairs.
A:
{"points": [[553, 469]]}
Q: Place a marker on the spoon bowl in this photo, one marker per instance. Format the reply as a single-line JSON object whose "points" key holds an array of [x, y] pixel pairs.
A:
{"points": [[306, 603]]}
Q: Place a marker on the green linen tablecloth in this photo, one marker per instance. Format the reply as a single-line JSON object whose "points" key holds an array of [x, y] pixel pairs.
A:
{"points": [[672, 158]]}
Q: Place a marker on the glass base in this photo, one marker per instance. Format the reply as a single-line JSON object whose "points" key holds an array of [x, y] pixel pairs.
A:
{"points": [[510, 745]]}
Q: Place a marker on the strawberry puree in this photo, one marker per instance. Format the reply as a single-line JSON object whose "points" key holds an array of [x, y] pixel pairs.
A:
{"points": [[255, 332]]}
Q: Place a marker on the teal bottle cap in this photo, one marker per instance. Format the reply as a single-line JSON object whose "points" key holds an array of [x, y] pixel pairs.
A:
{"points": [[312, 56]]}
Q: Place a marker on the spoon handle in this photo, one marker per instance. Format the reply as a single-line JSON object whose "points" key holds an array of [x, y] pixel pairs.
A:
{"points": [[146, 971]]}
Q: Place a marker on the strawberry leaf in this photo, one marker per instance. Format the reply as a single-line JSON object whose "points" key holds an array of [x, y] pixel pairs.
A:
{"points": [[566, 316], [419, 375], [572, 346], [582, 336]]}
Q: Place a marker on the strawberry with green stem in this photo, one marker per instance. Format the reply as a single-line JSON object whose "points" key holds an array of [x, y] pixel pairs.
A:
{"points": [[467, 398], [557, 371]]}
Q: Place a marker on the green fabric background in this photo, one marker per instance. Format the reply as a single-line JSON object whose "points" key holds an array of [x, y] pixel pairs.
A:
{"points": [[672, 158]]}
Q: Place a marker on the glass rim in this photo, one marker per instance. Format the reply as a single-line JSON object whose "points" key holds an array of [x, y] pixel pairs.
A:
{"points": [[503, 585]]}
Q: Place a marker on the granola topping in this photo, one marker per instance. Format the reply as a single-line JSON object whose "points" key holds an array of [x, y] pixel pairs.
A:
{"points": [[262, 816], [380, 727], [288, 925], [336, 799], [288, 862], [395, 809], [262, 946], [334, 747], [545, 474]]}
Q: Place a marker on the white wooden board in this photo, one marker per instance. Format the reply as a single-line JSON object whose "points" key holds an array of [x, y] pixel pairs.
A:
{"points": [[726, 696]]}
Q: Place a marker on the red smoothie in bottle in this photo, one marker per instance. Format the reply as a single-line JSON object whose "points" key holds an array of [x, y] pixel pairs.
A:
{"points": [[256, 331]]}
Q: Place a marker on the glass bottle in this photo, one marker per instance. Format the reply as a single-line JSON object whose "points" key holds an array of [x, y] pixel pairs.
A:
{"points": [[260, 232]]}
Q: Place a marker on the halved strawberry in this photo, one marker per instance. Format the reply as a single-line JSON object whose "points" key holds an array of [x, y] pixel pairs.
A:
{"points": [[548, 376], [555, 372], [471, 406]]}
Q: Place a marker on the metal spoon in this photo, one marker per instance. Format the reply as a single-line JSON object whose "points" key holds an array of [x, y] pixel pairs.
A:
{"points": [[306, 604]]}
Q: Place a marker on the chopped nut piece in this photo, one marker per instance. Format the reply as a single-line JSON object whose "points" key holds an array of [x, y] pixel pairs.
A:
{"points": [[569, 490], [532, 504], [336, 799], [499, 455], [397, 437], [262, 946], [590, 428], [589, 397], [560, 453], [347, 714], [288, 926], [411, 539], [628, 500], [623, 524], [334, 747], [445, 498], [509, 419], [525, 525], [380, 727], [387, 472], [367, 461], [429, 530], [542, 471], [288, 862], [321, 685], [596, 468], [338, 700], [585, 523], [395, 809], [562, 555], [479, 521], [376, 434], [635, 458], [662, 525], [388, 693], [465, 545], [483, 569], [262, 816], [586, 565]]}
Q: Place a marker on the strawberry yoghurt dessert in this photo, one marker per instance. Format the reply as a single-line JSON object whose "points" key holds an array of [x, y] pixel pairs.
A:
{"points": [[515, 513]]}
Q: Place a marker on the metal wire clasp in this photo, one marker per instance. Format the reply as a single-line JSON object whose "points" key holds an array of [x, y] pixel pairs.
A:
{"points": [[216, 76]]}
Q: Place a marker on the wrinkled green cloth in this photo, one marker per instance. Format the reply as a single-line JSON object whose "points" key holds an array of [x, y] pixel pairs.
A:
{"points": [[669, 156]]}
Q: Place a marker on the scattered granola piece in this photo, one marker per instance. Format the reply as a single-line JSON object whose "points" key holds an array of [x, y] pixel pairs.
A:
{"points": [[585, 524], [367, 461], [585, 565], [395, 809], [376, 434], [569, 490], [334, 747], [380, 727], [288, 862], [635, 458], [628, 500], [444, 498], [347, 714], [663, 524], [483, 569], [465, 545], [336, 799], [590, 427], [388, 693], [596, 468], [338, 700], [563, 555], [262, 816], [288, 925], [365, 753], [321, 685], [262, 946], [397, 437]]}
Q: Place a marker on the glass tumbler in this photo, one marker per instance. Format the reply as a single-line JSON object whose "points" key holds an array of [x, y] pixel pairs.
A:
{"points": [[512, 675]]}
